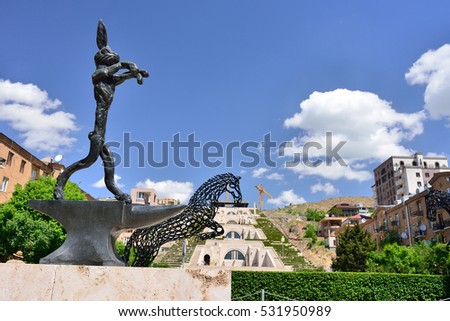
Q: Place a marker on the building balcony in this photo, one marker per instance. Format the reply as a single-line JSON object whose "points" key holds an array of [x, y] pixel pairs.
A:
{"points": [[438, 227], [419, 234], [395, 224], [400, 191], [417, 213]]}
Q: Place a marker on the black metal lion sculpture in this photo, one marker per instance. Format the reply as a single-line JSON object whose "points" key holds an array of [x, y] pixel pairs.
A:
{"points": [[198, 215]]}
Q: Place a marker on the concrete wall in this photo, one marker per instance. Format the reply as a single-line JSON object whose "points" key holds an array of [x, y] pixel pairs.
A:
{"points": [[40, 282]]}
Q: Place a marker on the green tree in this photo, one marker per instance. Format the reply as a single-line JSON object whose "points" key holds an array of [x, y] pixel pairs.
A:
{"points": [[417, 259], [395, 258], [352, 250], [440, 258], [311, 233], [22, 228], [314, 215], [391, 238], [336, 211], [120, 248]]}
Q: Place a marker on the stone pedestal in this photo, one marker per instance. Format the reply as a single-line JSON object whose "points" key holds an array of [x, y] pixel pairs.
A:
{"points": [[38, 282]]}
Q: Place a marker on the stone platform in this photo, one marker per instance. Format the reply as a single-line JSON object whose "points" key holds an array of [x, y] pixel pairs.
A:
{"points": [[42, 282]]}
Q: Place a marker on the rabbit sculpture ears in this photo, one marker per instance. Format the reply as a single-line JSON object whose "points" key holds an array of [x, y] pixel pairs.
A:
{"points": [[102, 36], [105, 56]]}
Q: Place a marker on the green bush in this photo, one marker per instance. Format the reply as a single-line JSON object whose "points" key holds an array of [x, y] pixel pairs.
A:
{"points": [[339, 286]]}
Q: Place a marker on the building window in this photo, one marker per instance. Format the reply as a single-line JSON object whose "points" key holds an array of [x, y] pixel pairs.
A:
{"points": [[22, 166], [427, 175], [436, 164], [417, 174], [235, 255], [33, 173], [140, 195], [4, 184], [207, 259], [9, 159], [233, 235]]}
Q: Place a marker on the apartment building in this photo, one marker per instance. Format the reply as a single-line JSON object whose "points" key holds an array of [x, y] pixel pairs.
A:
{"points": [[339, 217], [18, 166], [143, 196], [399, 176], [408, 218], [167, 201], [327, 229]]}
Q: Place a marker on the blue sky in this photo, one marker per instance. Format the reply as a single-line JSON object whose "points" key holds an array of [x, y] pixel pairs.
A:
{"points": [[374, 74]]}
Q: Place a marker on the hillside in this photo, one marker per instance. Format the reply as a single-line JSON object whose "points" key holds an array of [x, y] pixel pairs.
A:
{"points": [[294, 227], [328, 203]]}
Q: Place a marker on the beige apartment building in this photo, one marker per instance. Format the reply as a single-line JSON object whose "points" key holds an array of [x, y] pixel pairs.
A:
{"points": [[401, 176], [18, 166], [409, 218]]}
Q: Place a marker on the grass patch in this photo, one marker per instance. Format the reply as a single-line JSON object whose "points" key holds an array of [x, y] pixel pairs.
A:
{"points": [[287, 252]]}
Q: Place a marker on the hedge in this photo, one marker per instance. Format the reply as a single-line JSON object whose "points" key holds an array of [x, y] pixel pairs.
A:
{"points": [[338, 286]]}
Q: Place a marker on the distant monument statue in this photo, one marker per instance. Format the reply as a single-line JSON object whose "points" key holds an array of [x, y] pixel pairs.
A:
{"points": [[105, 80]]}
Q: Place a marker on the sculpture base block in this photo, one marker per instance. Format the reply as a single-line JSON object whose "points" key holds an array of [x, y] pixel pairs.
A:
{"points": [[37, 282]]}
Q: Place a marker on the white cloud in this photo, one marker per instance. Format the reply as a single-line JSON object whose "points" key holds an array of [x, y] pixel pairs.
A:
{"points": [[326, 188], [101, 182], [29, 110], [369, 127], [432, 154], [275, 176], [333, 171], [286, 198], [257, 173], [171, 189], [432, 69]]}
